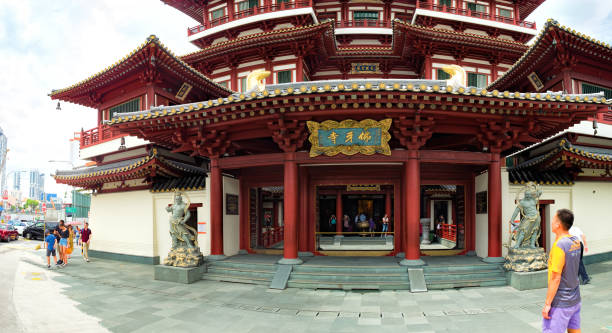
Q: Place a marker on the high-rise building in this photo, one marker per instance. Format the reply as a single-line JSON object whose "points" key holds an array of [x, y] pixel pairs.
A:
{"points": [[36, 185], [3, 152]]}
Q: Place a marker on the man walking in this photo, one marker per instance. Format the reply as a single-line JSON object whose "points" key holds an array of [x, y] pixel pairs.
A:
{"points": [[85, 239], [575, 231], [561, 310]]}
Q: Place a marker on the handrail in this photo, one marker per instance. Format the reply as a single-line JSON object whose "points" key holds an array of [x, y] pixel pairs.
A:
{"points": [[481, 15], [366, 23], [97, 135], [449, 232], [272, 236], [272, 7]]}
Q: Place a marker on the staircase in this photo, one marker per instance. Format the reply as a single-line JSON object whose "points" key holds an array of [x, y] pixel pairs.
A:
{"points": [[349, 277], [241, 272], [464, 275]]}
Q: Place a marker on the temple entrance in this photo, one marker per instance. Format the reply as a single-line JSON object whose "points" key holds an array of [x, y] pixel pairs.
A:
{"points": [[266, 217], [442, 217], [351, 218]]}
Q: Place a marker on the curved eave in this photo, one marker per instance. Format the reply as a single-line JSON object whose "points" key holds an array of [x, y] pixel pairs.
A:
{"points": [[256, 40], [565, 153], [544, 41], [193, 9], [136, 59]]}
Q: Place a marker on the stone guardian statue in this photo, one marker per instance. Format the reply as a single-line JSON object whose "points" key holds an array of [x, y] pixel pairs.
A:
{"points": [[526, 255], [185, 251]]}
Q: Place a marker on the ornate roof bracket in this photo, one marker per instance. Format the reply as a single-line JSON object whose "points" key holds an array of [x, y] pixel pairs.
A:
{"points": [[413, 131], [289, 135]]}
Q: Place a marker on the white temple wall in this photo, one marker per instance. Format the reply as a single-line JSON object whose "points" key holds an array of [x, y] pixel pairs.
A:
{"points": [[482, 220], [231, 223], [122, 223], [591, 214]]}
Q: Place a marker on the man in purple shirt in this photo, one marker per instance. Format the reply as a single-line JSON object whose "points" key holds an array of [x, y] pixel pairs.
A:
{"points": [[85, 239]]}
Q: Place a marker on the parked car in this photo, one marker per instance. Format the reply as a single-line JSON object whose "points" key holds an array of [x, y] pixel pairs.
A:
{"points": [[8, 233], [20, 226], [37, 230]]}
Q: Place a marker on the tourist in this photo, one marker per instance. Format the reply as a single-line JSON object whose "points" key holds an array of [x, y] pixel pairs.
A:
{"points": [[50, 244], [385, 224], [85, 239], [56, 233], [332, 222], [64, 235], [561, 310], [70, 241], [575, 231], [372, 226], [346, 221]]}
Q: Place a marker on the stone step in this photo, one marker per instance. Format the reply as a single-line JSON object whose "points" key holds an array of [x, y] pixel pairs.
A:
{"points": [[237, 279], [244, 265], [350, 269], [240, 273], [334, 277], [460, 268], [464, 275], [448, 284], [361, 285]]}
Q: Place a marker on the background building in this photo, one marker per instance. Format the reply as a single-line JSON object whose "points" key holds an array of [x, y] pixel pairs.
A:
{"points": [[3, 156]]}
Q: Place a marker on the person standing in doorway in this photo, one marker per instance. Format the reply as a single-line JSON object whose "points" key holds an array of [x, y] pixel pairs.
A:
{"points": [[85, 239], [575, 231], [332, 222], [561, 310], [346, 220], [385, 225]]}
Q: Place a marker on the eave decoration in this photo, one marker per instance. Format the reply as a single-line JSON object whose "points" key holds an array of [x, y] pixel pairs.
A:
{"points": [[349, 137]]}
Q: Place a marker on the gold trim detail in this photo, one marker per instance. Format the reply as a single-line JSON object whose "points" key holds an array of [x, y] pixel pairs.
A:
{"points": [[365, 125]]}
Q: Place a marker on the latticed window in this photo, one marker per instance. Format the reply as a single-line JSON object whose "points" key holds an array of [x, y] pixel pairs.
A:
{"points": [[442, 75], [217, 13], [243, 84], [223, 84], [476, 80], [283, 77], [593, 89], [279, 1], [476, 7], [129, 106], [365, 15], [505, 13], [447, 3], [248, 4]]}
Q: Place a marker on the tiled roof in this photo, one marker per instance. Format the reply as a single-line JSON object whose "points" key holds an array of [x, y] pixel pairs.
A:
{"points": [[529, 58], [122, 66], [522, 176], [434, 87], [594, 155], [193, 183]]}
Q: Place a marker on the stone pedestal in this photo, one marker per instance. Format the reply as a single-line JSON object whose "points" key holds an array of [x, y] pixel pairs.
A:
{"points": [[185, 275], [526, 260], [184, 257], [528, 280], [425, 225]]}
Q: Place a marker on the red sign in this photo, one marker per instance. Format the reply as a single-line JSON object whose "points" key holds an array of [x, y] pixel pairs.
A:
{"points": [[5, 195]]}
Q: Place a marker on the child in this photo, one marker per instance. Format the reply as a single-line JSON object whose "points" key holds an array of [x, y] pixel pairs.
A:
{"points": [[50, 243]]}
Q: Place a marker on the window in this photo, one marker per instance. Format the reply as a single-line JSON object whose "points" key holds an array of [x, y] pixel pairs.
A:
{"points": [[505, 13], [222, 84], [442, 75], [217, 13], [476, 8], [129, 106], [362, 15], [243, 84], [593, 89], [476, 80], [283, 76], [279, 1], [248, 4], [447, 3]]}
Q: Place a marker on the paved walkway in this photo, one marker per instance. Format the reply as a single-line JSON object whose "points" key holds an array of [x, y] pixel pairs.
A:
{"points": [[122, 297]]}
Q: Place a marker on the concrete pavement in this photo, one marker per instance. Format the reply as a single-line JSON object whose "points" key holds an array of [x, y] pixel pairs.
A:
{"points": [[121, 297]]}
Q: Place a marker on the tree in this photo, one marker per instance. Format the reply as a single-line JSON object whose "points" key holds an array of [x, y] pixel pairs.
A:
{"points": [[31, 203]]}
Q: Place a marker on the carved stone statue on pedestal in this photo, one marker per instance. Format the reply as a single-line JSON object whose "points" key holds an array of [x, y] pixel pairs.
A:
{"points": [[185, 251], [526, 255]]}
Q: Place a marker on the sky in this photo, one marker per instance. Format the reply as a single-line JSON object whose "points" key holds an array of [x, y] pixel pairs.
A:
{"points": [[47, 45]]}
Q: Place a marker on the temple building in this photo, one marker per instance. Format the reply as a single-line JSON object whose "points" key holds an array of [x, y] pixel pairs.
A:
{"points": [[360, 117]]}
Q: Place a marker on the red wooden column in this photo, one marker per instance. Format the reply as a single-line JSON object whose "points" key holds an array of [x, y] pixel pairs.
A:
{"points": [[412, 179], [494, 211], [339, 213], [303, 232], [243, 210], [290, 253], [216, 211]]}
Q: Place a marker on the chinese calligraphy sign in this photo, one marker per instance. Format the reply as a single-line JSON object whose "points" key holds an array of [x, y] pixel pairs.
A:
{"points": [[349, 137]]}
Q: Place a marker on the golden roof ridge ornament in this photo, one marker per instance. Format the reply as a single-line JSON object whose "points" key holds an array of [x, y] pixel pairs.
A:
{"points": [[458, 77], [256, 80]]}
